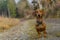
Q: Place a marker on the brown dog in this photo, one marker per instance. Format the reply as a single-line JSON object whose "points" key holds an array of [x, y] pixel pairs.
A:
{"points": [[40, 26]]}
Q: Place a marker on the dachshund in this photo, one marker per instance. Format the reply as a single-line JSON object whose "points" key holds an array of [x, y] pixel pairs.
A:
{"points": [[40, 25]]}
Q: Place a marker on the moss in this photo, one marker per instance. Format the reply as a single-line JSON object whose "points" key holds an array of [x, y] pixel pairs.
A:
{"points": [[57, 34]]}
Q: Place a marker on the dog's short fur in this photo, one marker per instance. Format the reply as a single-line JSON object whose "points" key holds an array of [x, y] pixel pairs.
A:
{"points": [[40, 26]]}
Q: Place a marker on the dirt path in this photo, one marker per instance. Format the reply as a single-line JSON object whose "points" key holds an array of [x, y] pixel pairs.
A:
{"points": [[26, 31]]}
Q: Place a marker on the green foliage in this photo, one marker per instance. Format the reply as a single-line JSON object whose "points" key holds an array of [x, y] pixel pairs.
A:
{"points": [[8, 4], [3, 5], [27, 5], [12, 8]]}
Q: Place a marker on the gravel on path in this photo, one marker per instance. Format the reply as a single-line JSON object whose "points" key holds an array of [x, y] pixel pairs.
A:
{"points": [[26, 31]]}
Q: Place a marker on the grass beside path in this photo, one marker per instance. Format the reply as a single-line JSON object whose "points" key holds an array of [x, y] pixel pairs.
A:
{"points": [[6, 23]]}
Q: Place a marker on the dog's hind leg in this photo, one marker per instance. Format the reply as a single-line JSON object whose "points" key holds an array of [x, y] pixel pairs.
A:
{"points": [[45, 34], [44, 28]]}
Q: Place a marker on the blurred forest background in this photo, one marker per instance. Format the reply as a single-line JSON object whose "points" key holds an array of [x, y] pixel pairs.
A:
{"points": [[9, 8], [14, 15]]}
